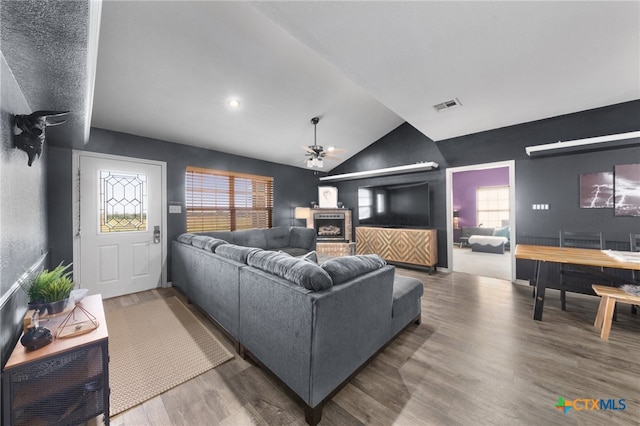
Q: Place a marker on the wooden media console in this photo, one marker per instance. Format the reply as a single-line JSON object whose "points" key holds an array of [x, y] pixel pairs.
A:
{"points": [[401, 245]]}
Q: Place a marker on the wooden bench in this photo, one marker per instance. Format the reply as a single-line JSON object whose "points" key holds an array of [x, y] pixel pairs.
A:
{"points": [[610, 295]]}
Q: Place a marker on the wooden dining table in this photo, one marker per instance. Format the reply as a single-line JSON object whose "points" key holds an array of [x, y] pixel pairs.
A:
{"points": [[574, 256]]}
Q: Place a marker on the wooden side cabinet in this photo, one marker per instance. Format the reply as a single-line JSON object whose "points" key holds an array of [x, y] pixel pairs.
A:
{"points": [[402, 245], [65, 382]]}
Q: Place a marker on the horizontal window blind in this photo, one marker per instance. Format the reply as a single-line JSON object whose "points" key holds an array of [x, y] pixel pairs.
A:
{"points": [[492, 205], [224, 201]]}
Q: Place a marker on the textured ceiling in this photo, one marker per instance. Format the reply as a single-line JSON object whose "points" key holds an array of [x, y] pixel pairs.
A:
{"points": [[45, 45], [166, 69]]}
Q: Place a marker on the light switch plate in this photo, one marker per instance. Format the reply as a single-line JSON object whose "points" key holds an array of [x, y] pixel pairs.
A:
{"points": [[175, 209]]}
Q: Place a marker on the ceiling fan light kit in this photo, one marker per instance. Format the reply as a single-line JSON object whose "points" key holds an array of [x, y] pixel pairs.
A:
{"points": [[316, 154]]}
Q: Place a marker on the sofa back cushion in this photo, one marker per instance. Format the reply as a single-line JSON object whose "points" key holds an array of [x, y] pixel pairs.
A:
{"points": [[186, 238], [201, 241], [222, 235], [301, 237], [250, 238], [299, 271], [342, 269], [207, 243], [235, 252], [277, 237]]}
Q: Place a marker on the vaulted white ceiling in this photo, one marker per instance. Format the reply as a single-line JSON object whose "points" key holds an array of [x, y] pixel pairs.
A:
{"points": [[166, 69]]}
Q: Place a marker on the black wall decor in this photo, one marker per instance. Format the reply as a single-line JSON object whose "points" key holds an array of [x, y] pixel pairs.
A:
{"points": [[33, 128]]}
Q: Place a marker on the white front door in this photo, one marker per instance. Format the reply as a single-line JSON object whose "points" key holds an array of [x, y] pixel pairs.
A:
{"points": [[120, 224]]}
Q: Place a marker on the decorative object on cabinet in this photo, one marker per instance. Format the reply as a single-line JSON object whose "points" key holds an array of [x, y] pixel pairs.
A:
{"points": [[50, 289]]}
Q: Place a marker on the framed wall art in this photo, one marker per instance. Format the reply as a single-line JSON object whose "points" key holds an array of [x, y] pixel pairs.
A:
{"points": [[596, 190], [627, 190], [328, 197]]}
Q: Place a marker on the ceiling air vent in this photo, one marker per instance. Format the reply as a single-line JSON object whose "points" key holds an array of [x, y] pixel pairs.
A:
{"points": [[447, 105]]}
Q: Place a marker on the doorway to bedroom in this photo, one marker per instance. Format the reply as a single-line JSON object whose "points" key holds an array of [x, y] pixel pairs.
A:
{"points": [[481, 205]]}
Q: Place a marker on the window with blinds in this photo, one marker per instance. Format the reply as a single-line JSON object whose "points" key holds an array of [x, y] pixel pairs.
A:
{"points": [[224, 201], [492, 206]]}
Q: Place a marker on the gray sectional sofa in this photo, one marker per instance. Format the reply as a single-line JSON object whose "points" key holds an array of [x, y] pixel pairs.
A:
{"points": [[313, 326]]}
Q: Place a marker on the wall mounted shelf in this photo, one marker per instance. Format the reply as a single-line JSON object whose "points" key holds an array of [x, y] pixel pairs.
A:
{"points": [[600, 142], [397, 170]]}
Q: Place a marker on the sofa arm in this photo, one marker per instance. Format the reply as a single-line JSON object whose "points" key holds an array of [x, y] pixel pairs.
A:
{"points": [[303, 237], [352, 322], [313, 341]]}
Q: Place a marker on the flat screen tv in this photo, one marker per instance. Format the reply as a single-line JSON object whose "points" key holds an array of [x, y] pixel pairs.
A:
{"points": [[404, 205]]}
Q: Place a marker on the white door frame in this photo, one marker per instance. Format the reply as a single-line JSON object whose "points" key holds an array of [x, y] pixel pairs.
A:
{"points": [[75, 165], [511, 164]]}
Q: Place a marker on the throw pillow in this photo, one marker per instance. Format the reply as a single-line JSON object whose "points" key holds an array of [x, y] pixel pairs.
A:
{"points": [[298, 271], [501, 232], [312, 256], [342, 269]]}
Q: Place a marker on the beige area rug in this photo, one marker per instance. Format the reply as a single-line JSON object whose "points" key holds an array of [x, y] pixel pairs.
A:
{"points": [[155, 346]]}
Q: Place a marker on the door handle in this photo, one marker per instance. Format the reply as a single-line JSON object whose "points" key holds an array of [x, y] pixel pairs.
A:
{"points": [[156, 234]]}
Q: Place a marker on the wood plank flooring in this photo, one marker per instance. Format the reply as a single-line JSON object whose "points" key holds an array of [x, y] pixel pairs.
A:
{"points": [[478, 358]]}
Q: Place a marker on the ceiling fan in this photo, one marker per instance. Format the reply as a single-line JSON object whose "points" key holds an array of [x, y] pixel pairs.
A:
{"points": [[316, 153]]}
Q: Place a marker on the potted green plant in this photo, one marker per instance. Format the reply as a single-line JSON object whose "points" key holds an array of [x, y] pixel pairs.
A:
{"points": [[50, 289]]}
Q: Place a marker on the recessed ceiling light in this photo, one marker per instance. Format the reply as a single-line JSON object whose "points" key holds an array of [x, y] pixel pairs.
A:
{"points": [[234, 103]]}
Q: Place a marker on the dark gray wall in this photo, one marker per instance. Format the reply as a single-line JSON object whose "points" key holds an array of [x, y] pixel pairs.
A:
{"points": [[552, 180], [293, 186], [23, 227], [404, 145]]}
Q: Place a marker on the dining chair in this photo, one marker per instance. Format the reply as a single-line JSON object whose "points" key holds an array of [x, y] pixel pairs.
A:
{"points": [[634, 245], [577, 239]]}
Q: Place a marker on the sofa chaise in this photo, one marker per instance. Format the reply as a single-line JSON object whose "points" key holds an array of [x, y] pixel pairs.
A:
{"points": [[313, 326]]}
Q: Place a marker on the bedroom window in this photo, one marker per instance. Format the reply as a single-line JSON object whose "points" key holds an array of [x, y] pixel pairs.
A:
{"points": [[218, 200], [492, 206]]}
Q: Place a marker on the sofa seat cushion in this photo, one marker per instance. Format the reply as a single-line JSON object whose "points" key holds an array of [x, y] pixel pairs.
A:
{"points": [[235, 252], [405, 292], [294, 251], [299, 271], [342, 269]]}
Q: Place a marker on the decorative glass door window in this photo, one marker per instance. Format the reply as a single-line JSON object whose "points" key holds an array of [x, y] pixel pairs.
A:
{"points": [[123, 202]]}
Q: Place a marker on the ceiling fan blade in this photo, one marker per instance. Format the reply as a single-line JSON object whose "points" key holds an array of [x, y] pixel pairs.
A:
{"points": [[308, 149], [337, 150], [331, 157]]}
